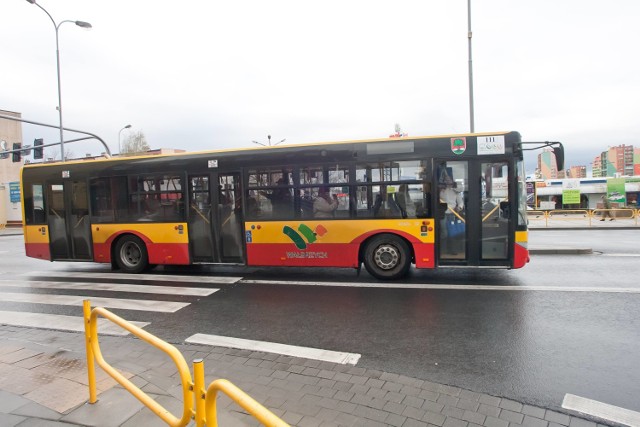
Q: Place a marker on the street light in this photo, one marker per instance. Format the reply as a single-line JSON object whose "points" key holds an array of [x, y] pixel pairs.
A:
{"points": [[56, 27], [120, 132], [269, 138], [469, 35]]}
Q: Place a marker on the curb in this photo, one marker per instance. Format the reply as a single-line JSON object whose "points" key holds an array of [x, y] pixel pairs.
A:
{"points": [[560, 251]]}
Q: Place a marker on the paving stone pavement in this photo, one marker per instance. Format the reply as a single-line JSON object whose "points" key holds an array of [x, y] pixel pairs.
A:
{"points": [[43, 382]]}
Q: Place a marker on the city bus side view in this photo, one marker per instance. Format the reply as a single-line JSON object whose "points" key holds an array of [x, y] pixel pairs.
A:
{"points": [[442, 201]]}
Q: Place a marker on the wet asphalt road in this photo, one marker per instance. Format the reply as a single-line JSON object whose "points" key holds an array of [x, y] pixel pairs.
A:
{"points": [[529, 345]]}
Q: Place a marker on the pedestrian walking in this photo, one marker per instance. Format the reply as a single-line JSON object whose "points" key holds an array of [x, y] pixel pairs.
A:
{"points": [[606, 212]]}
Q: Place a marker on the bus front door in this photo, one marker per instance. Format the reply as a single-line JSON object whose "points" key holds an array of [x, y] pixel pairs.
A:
{"points": [[474, 221], [68, 220]]}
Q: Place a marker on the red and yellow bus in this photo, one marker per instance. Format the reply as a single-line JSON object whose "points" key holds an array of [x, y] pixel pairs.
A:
{"points": [[442, 201]]}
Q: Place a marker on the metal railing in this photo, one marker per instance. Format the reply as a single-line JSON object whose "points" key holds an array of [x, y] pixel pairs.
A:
{"points": [[584, 217], [198, 404]]}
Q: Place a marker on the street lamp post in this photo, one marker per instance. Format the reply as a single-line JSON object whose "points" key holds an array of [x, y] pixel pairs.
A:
{"points": [[119, 133], [469, 35], [269, 139], [57, 27]]}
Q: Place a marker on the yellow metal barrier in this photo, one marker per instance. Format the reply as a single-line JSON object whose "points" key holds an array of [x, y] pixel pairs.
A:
{"points": [[535, 215], [259, 412], [93, 352], [588, 214], [193, 392]]}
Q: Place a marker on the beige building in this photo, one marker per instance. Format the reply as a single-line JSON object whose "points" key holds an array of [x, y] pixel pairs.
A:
{"points": [[10, 132]]}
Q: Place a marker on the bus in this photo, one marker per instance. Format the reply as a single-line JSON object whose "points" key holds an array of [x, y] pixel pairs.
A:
{"points": [[440, 201]]}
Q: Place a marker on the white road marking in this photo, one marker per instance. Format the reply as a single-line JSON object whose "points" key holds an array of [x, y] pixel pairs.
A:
{"points": [[76, 300], [153, 277], [601, 410], [117, 287], [60, 322], [622, 255], [446, 287], [269, 347]]}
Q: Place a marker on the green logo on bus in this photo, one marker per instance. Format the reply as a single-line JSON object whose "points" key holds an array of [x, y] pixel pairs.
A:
{"points": [[309, 235]]}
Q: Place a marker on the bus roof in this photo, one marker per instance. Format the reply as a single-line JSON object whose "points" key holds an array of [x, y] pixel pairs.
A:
{"points": [[267, 148]]}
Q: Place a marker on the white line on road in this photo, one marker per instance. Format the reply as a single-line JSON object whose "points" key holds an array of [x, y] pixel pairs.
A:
{"points": [[270, 347], [117, 287], [446, 287], [76, 300], [622, 255], [153, 277], [59, 322], [601, 410]]}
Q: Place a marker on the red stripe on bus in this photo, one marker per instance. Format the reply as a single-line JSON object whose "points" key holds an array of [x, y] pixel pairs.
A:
{"points": [[168, 253], [102, 252], [520, 256], [361, 238], [38, 250], [315, 255], [425, 255], [159, 253]]}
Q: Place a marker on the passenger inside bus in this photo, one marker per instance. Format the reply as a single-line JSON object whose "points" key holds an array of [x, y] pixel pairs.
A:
{"points": [[324, 205], [452, 202], [385, 205]]}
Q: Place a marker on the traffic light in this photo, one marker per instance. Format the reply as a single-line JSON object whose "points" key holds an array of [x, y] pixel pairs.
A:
{"points": [[38, 151], [3, 148], [16, 155]]}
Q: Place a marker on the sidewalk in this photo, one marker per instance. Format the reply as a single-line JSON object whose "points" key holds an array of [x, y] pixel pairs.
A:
{"points": [[43, 382]]}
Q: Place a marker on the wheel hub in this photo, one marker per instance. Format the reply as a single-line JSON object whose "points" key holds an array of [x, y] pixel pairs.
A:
{"points": [[130, 254], [386, 257]]}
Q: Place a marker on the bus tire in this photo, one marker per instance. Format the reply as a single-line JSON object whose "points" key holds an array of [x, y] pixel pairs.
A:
{"points": [[131, 255], [387, 257]]}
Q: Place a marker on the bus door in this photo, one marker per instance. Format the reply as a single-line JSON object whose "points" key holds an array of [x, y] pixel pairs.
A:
{"points": [[200, 219], [229, 226], [215, 218], [68, 220], [473, 216]]}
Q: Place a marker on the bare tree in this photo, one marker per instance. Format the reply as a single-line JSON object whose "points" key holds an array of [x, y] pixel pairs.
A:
{"points": [[52, 154], [136, 143]]}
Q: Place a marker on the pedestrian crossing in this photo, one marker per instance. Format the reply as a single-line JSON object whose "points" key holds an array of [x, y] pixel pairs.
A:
{"points": [[42, 293]]}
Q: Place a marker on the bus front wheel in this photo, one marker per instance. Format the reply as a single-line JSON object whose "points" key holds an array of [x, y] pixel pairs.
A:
{"points": [[131, 255], [387, 257]]}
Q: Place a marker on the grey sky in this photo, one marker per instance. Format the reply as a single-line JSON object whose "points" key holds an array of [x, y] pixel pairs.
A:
{"points": [[212, 74]]}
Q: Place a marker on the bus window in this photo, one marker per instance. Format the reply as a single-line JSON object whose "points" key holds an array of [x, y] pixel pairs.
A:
{"points": [[392, 189], [156, 198], [324, 202], [34, 205], [100, 195], [272, 190]]}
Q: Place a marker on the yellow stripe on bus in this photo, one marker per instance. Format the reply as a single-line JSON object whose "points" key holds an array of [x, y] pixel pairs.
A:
{"points": [[34, 234], [337, 231], [522, 236], [156, 233]]}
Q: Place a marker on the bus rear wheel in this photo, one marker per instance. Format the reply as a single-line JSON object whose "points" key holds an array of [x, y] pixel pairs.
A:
{"points": [[131, 255], [387, 257]]}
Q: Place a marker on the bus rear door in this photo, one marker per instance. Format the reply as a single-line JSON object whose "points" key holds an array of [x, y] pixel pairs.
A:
{"points": [[68, 220]]}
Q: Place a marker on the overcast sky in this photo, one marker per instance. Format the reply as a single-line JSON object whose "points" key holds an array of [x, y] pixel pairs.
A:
{"points": [[219, 74]]}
